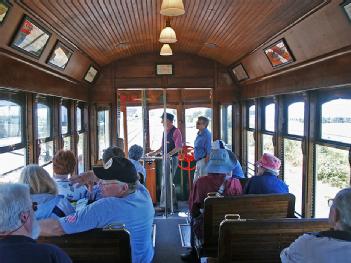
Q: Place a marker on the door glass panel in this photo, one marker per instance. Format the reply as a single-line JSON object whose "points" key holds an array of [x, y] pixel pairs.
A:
{"points": [[269, 117], [191, 116], [10, 123], [135, 125], [43, 121], [336, 120], [156, 127], [250, 154], [296, 118], [293, 160], [267, 144], [103, 131], [64, 120], [332, 174]]}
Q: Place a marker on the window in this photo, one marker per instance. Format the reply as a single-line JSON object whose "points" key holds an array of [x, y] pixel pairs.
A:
{"points": [[250, 139], [227, 125], [267, 144], [252, 117], [44, 133], [269, 118], [156, 127], [332, 174], [296, 118], [82, 139], [103, 121], [293, 155], [12, 144], [191, 116], [336, 120], [135, 125], [65, 121], [268, 126]]}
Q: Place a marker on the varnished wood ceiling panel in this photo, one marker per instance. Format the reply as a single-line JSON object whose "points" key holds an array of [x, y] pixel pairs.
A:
{"points": [[108, 30]]}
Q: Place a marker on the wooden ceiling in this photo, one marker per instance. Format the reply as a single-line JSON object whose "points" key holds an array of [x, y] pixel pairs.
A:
{"points": [[108, 30]]}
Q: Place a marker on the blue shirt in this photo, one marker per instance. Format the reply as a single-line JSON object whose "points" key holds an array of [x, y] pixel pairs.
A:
{"points": [[238, 171], [73, 192], [135, 211], [51, 206], [267, 183], [202, 144]]}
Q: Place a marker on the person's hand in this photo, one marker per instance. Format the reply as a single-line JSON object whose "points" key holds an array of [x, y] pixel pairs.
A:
{"points": [[86, 178]]}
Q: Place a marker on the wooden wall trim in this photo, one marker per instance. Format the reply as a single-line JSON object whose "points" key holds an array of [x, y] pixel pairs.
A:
{"points": [[334, 72]]}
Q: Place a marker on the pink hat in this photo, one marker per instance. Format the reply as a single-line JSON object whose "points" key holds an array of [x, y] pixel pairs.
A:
{"points": [[269, 161]]}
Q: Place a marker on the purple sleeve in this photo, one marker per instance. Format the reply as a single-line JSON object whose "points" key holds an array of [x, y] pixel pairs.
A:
{"points": [[177, 137]]}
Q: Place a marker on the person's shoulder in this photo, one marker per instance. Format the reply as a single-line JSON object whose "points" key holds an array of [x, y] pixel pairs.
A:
{"points": [[57, 253]]}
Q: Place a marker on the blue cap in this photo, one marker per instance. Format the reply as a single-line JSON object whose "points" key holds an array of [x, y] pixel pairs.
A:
{"points": [[220, 162], [169, 116]]}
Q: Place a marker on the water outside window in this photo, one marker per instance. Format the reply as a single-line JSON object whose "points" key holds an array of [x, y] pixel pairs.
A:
{"points": [[336, 120], [296, 118], [332, 174], [191, 116], [64, 120], [103, 131], [43, 121], [269, 117], [135, 125], [156, 127], [10, 123], [250, 154], [293, 160]]}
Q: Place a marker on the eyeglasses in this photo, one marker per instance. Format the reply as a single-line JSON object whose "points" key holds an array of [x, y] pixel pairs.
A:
{"points": [[330, 202], [34, 206]]}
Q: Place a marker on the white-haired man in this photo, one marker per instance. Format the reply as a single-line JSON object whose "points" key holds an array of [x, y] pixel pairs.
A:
{"points": [[19, 228], [326, 246]]}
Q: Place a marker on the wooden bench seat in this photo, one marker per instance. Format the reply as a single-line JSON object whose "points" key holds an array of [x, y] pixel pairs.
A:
{"points": [[247, 206], [98, 245], [262, 240]]}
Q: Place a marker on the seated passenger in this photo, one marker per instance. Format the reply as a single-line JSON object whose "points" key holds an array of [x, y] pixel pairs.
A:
{"points": [[134, 154], [219, 179], [266, 181], [43, 190], [112, 151], [19, 228], [125, 201], [326, 246], [64, 163]]}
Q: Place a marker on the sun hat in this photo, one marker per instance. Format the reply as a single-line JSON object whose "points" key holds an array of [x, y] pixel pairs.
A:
{"points": [[269, 161], [116, 168], [219, 162]]}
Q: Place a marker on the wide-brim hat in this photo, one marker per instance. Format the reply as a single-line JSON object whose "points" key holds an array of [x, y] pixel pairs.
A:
{"points": [[269, 161], [120, 169], [220, 162]]}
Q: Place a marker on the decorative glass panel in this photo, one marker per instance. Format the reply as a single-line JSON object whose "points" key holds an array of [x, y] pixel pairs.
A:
{"points": [[336, 120], [10, 123], [296, 118], [332, 175]]}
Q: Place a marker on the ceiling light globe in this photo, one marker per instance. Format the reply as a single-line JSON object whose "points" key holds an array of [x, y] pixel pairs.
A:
{"points": [[172, 8], [168, 35], [166, 50]]}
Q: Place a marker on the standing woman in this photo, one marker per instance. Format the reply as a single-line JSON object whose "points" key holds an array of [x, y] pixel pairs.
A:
{"points": [[44, 192]]}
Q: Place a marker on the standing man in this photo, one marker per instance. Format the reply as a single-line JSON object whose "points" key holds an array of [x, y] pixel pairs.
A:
{"points": [[202, 147], [174, 145], [19, 229]]}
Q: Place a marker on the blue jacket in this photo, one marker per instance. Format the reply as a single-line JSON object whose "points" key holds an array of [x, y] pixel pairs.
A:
{"points": [[267, 183]]}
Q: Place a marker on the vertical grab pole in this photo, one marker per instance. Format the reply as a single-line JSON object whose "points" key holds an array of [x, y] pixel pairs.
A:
{"points": [[165, 160]]}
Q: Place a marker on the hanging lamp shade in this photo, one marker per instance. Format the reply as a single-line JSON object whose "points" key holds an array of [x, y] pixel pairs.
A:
{"points": [[168, 35], [172, 8], [166, 50]]}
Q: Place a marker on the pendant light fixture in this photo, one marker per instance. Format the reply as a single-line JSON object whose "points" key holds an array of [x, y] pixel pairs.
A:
{"points": [[168, 35], [166, 50], [172, 8]]}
